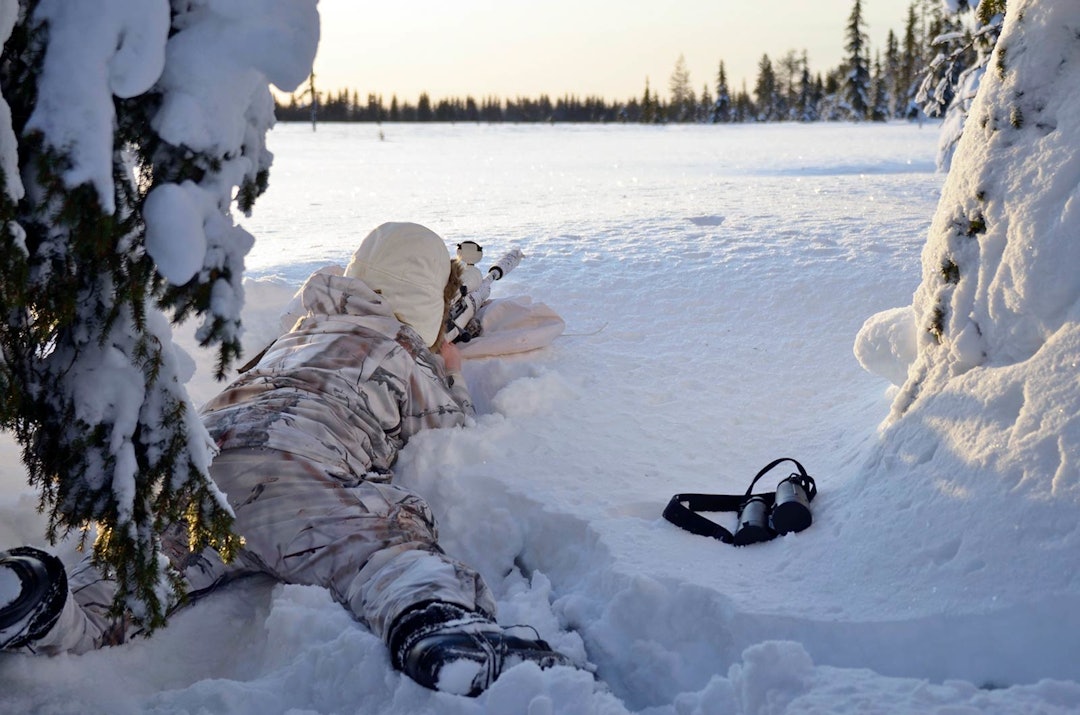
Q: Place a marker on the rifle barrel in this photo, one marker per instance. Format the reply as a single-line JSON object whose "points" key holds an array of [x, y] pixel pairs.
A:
{"points": [[468, 305]]}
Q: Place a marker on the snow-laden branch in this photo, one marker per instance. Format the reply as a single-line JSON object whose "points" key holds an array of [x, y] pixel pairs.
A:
{"points": [[129, 129]]}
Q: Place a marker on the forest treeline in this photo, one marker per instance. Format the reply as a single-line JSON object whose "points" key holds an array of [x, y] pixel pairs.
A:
{"points": [[919, 72]]}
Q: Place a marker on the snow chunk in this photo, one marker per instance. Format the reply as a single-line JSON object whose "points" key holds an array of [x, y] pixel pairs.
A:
{"points": [[886, 344], [9, 157], [533, 395], [175, 233], [967, 350], [457, 677], [140, 50], [279, 37], [219, 65], [95, 50], [771, 675], [108, 389]]}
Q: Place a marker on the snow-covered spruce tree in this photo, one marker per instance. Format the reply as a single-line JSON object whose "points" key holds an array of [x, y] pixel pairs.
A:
{"points": [[765, 91], [721, 112], [682, 96], [988, 409], [879, 107], [892, 72], [856, 88], [951, 80], [651, 111], [907, 81], [1000, 289], [132, 125], [806, 104]]}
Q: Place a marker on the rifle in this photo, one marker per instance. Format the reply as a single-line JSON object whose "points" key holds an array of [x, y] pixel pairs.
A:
{"points": [[465, 307]]}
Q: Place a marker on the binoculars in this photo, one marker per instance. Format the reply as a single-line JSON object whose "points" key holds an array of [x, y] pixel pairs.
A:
{"points": [[762, 518]]}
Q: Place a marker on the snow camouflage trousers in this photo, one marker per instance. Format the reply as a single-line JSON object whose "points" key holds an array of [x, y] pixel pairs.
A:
{"points": [[372, 544]]}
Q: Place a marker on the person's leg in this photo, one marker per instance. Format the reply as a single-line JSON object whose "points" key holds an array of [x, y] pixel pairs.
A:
{"points": [[374, 546], [48, 609], [33, 594], [54, 611], [443, 647]]}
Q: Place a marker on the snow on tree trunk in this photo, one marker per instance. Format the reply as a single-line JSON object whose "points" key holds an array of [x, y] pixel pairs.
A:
{"points": [[989, 413], [990, 408], [999, 270]]}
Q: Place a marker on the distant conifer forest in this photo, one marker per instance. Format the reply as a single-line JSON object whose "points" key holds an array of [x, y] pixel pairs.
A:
{"points": [[919, 73]]}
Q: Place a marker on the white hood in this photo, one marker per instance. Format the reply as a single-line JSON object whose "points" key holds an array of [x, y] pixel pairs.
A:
{"points": [[408, 265]]}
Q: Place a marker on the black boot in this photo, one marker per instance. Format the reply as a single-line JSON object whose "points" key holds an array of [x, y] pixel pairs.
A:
{"points": [[444, 647], [35, 588]]}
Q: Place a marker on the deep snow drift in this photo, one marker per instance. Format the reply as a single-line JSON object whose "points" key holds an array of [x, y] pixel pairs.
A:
{"points": [[713, 281]]}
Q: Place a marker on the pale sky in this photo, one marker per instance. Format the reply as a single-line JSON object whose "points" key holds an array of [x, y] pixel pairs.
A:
{"points": [[508, 48]]}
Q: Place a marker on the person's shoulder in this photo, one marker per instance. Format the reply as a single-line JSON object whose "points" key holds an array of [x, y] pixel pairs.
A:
{"points": [[327, 294]]}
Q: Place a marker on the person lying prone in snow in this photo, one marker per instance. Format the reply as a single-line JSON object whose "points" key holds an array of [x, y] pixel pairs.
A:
{"points": [[308, 437]]}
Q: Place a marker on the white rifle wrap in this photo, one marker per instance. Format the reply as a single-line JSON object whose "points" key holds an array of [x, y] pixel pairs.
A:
{"points": [[466, 307]]}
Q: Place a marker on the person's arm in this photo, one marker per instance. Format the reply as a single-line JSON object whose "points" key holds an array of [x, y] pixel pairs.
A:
{"points": [[451, 356], [436, 394]]}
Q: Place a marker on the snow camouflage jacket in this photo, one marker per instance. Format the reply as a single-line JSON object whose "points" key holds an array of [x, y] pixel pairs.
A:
{"points": [[346, 387]]}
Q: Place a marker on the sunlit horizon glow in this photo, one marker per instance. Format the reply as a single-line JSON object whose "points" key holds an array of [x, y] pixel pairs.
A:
{"points": [[605, 48]]}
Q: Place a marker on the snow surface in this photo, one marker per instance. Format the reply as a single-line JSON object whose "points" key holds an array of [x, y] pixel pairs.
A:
{"points": [[713, 281]]}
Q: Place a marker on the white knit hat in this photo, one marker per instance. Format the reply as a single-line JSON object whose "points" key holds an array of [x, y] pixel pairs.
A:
{"points": [[409, 266]]}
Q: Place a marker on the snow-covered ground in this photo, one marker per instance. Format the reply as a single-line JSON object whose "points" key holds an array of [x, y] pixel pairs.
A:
{"points": [[713, 281]]}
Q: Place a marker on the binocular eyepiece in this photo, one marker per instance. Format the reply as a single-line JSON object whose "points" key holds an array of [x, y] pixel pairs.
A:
{"points": [[762, 519]]}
